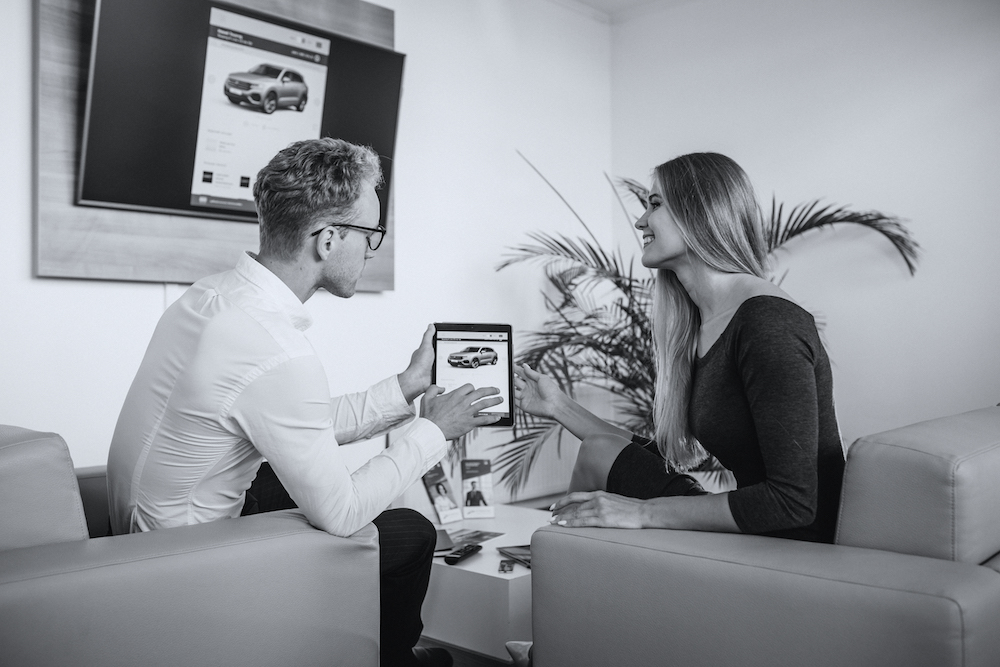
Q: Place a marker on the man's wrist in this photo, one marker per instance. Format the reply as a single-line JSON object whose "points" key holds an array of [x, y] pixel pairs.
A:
{"points": [[411, 384]]}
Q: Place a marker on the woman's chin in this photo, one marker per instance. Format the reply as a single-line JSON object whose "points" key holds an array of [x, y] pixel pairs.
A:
{"points": [[648, 262]]}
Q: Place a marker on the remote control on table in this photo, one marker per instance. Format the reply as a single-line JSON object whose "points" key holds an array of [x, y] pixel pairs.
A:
{"points": [[462, 553]]}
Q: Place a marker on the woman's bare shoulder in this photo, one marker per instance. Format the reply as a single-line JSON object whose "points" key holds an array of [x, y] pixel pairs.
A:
{"points": [[761, 287]]}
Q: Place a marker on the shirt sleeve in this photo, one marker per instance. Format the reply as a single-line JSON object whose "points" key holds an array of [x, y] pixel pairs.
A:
{"points": [[287, 413], [369, 413], [776, 360]]}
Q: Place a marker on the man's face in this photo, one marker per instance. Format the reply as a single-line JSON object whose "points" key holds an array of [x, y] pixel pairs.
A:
{"points": [[346, 263]]}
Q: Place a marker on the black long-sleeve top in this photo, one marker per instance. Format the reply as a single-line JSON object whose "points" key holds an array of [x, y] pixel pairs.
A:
{"points": [[762, 404]]}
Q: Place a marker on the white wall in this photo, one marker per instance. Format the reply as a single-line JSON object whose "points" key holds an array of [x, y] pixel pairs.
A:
{"points": [[891, 105], [885, 104], [483, 79]]}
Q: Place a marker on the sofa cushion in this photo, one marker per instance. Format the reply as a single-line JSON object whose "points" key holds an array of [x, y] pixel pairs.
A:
{"points": [[929, 489], [39, 496]]}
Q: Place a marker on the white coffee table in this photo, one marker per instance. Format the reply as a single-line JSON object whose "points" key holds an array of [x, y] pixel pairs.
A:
{"points": [[472, 605]]}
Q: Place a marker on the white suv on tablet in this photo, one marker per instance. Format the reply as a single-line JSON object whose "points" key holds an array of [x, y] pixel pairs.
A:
{"points": [[472, 357]]}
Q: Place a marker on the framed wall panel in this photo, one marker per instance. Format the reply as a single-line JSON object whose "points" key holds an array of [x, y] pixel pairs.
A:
{"points": [[110, 244]]}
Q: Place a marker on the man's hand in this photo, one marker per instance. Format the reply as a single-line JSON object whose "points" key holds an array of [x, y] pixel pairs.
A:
{"points": [[417, 377], [458, 412]]}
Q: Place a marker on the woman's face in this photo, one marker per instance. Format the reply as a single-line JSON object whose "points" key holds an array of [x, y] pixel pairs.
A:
{"points": [[662, 243]]}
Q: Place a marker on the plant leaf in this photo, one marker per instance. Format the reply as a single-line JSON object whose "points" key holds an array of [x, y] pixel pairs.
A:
{"points": [[806, 218]]}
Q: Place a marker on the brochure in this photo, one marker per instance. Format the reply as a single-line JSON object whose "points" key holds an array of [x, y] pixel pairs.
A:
{"points": [[477, 488], [439, 491], [466, 536]]}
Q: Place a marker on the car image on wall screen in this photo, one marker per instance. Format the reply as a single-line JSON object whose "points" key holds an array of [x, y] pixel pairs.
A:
{"points": [[268, 88]]}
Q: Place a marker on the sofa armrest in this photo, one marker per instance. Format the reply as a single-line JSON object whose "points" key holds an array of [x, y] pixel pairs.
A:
{"points": [[93, 483], [39, 496], [603, 596], [264, 589], [927, 489]]}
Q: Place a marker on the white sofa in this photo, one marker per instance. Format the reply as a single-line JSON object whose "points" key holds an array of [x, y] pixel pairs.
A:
{"points": [[913, 579], [267, 589]]}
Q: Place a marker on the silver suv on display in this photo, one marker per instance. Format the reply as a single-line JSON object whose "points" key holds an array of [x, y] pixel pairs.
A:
{"points": [[268, 87], [473, 357]]}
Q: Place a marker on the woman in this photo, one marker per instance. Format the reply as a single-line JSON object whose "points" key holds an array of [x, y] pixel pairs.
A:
{"points": [[442, 499], [741, 375]]}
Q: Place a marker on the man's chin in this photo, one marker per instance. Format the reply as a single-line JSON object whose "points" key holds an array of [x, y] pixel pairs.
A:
{"points": [[343, 291], [342, 287]]}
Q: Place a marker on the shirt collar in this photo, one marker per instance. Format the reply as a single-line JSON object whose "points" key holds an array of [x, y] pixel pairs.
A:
{"points": [[259, 275]]}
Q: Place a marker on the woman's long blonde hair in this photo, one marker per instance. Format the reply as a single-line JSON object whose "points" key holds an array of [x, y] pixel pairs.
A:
{"points": [[717, 213]]}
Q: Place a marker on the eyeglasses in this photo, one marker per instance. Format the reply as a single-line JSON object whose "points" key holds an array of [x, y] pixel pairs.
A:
{"points": [[374, 236]]}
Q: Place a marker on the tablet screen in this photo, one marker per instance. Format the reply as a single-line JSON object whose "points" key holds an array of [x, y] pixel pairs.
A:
{"points": [[480, 355]]}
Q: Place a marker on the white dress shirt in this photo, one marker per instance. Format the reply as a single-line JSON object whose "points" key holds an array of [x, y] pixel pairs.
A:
{"points": [[229, 377]]}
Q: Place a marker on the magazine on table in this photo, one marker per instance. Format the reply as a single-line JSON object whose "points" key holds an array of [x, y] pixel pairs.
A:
{"points": [[463, 537], [477, 488], [439, 491]]}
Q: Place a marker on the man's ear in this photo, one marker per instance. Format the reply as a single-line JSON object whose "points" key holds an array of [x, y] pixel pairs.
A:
{"points": [[325, 243]]}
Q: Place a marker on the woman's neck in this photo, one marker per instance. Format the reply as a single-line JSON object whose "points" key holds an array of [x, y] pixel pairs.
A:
{"points": [[715, 293], [718, 295]]}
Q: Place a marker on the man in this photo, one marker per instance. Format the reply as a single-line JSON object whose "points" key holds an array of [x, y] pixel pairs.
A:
{"points": [[229, 378], [474, 496]]}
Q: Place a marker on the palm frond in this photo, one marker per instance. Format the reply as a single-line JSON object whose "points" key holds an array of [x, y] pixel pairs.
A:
{"points": [[559, 246], [621, 202], [806, 218], [517, 456], [638, 190], [559, 194]]}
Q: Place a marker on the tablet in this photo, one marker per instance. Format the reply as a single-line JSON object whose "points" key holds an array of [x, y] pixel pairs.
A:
{"points": [[520, 553], [480, 355]]}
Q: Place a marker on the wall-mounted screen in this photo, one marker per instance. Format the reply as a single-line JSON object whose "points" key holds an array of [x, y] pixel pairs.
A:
{"points": [[188, 99]]}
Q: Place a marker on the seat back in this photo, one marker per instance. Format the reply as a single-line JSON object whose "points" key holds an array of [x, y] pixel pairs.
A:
{"points": [[928, 489], [39, 495]]}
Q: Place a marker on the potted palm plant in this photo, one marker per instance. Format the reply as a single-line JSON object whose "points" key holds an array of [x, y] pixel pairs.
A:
{"points": [[599, 333]]}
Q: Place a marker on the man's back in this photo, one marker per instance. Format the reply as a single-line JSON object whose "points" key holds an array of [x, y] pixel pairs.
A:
{"points": [[178, 456]]}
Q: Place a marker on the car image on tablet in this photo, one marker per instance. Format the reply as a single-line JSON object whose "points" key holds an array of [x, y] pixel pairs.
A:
{"points": [[473, 357]]}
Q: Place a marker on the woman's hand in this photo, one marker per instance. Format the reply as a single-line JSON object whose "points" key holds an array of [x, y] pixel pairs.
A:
{"points": [[609, 510], [535, 393], [599, 509]]}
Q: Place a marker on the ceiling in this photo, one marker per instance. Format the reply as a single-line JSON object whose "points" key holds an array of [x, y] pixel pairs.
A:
{"points": [[611, 7]]}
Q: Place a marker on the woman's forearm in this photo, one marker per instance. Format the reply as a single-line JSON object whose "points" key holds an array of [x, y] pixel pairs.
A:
{"points": [[583, 423], [709, 513]]}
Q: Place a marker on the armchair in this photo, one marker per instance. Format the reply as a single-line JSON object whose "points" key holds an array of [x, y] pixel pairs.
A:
{"points": [[913, 579], [262, 589]]}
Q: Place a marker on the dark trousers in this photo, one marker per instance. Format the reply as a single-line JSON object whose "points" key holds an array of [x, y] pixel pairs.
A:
{"points": [[406, 550]]}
